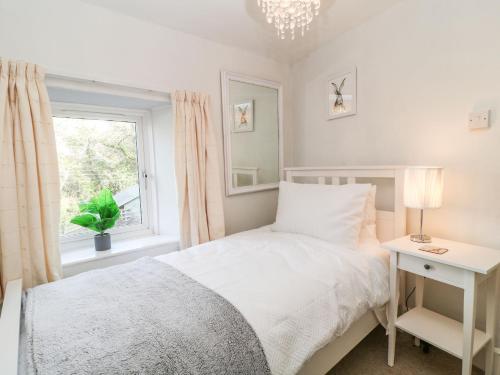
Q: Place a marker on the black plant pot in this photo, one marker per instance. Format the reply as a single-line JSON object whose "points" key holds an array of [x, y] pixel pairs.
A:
{"points": [[102, 241]]}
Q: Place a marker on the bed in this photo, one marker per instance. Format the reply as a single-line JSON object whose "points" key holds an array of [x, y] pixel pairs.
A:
{"points": [[288, 306]]}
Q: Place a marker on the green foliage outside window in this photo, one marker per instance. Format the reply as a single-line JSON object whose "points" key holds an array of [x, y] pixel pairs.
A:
{"points": [[93, 155]]}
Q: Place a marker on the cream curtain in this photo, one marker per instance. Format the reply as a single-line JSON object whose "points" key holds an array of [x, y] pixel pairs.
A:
{"points": [[201, 212], [29, 178]]}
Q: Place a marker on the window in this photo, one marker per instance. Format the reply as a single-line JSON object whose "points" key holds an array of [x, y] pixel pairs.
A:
{"points": [[99, 149]]}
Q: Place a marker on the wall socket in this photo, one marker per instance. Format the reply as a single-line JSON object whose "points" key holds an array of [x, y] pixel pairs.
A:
{"points": [[479, 120]]}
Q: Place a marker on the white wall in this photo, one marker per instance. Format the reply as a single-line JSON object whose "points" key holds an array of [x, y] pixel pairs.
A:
{"points": [[423, 65], [76, 39], [166, 189]]}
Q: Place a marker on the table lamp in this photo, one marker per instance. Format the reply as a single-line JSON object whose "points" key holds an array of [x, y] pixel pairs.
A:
{"points": [[423, 189]]}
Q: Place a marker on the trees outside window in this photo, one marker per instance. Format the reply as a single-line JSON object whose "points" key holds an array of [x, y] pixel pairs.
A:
{"points": [[95, 154]]}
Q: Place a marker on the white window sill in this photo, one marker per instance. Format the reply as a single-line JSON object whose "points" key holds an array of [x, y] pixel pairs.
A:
{"points": [[132, 248]]}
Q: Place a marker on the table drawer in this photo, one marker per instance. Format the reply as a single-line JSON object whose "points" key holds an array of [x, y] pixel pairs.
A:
{"points": [[432, 270]]}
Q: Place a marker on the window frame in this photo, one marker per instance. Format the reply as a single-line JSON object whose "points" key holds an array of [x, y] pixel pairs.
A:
{"points": [[145, 165]]}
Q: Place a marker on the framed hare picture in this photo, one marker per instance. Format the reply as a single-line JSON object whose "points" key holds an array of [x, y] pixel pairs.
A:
{"points": [[341, 94], [243, 117]]}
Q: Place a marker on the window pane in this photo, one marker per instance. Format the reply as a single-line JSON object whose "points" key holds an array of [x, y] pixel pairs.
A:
{"points": [[97, 154]]}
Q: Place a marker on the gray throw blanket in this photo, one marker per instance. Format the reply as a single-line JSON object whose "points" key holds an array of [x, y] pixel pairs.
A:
{"points": [[143, 317]]}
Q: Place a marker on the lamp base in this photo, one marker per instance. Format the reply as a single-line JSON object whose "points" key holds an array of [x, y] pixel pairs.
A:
{"points": [[421, 238]]}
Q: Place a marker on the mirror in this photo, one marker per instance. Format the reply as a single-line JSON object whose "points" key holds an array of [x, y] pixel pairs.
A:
{"points": [[252, 133]]}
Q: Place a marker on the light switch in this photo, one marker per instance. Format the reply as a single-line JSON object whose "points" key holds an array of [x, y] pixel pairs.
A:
{"points": [[479, 120]]}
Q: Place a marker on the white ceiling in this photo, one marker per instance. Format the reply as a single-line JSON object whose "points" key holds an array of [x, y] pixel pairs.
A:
{"points": [[240, 23]]}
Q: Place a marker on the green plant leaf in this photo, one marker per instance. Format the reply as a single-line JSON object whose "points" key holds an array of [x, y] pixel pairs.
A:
{"points": [[100, 213], [89, 207], [110, 222], [87, 221], [106, 204]]}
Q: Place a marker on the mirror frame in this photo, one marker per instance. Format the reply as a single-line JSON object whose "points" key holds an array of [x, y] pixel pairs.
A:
{"points": [[227, 76]]}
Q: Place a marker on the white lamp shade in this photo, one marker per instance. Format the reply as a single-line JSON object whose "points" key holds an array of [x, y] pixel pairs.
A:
{"points": [[423, 187]]}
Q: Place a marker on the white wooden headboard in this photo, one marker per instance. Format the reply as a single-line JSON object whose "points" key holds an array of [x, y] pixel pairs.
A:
{"points": [[390, 224]]}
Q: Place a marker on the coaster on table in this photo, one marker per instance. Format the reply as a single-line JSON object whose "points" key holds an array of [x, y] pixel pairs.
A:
{"points": [[433, 249]]}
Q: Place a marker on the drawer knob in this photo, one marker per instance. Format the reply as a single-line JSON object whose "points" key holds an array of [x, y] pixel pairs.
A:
{"points": [[427, 266]]}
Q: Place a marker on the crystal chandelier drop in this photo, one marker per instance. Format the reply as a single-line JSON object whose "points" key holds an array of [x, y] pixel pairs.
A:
{"points": [[290, 15]]}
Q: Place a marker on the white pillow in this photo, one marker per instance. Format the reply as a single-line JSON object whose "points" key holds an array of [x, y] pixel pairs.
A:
{"points": [[368, 227], [333, 213]]}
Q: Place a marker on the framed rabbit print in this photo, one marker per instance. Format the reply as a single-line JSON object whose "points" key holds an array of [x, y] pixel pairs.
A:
{"points": [[243, 117], [341, 91]]}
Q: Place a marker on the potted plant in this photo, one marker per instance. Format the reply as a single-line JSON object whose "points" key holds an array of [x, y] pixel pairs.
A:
{"points": [[99, 214]]}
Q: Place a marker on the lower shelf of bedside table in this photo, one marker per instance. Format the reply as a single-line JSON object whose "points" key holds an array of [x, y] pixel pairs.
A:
{"points": [[438, 330]]}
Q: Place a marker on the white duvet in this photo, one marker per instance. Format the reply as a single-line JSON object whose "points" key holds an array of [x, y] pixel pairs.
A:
{"points": [[297, 292]]}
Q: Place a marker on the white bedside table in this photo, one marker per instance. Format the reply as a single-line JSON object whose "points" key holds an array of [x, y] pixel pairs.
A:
{"points": [[464, 266]]}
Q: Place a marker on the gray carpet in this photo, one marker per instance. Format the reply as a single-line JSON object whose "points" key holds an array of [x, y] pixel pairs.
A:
{"points": [[370, 357]]}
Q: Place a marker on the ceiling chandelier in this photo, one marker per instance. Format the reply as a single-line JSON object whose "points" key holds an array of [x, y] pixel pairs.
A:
{"points": [[290, 15]]}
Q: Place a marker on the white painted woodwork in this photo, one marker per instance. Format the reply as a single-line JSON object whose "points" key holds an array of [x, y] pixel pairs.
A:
{"points": [[469, 324], [436, 271], [438, 330], [419, 297], [399, 209], [464, 266], [492, 296], [9, 327], [245, 171], [474, 258], [226, 77], [393, 307], [75, 261], [148, 197]]}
